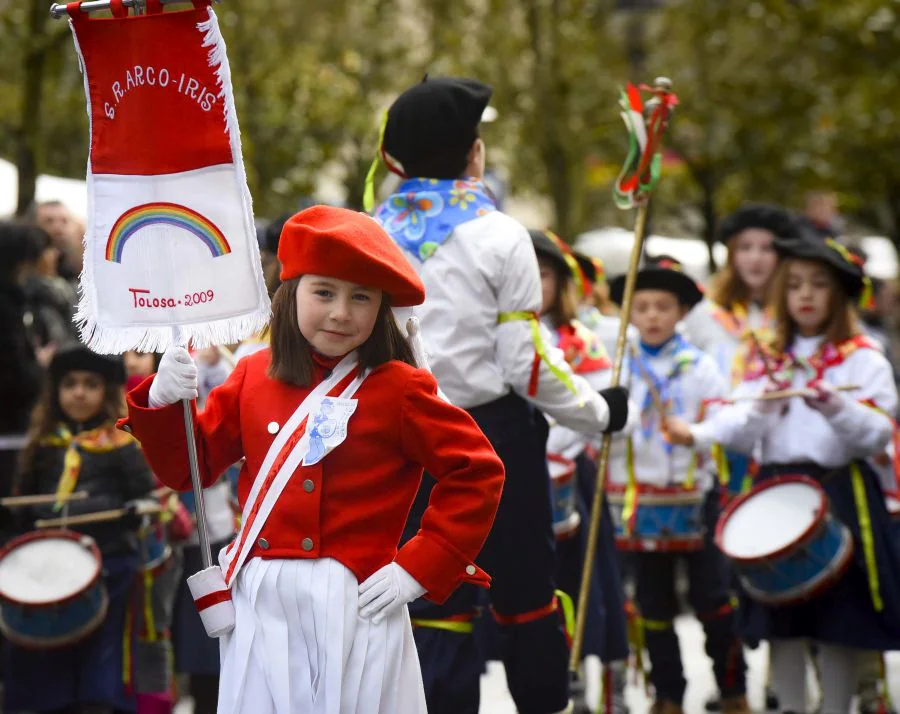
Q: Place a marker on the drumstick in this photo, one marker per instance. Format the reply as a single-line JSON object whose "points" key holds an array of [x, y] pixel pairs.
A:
{"points": [[19, 501], [162, 491], [788, 393], [97, 517]]}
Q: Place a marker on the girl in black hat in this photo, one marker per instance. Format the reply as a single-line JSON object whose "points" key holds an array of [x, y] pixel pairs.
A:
{"points": [[605, 630], [74, 446], [737, 301], [827, 435]]}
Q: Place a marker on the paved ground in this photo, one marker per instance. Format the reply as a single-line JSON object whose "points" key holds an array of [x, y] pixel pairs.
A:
{"points": [[496, 700]]}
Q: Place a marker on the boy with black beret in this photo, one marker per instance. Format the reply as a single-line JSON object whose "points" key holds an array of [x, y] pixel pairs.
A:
{"points": [[489, 354]]}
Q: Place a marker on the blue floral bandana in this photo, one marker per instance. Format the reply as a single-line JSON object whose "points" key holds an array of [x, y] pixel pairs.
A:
{"points": [[424, 212]]}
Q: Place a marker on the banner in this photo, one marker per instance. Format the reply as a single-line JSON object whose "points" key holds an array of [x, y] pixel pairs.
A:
{"points": [[171, 240]]}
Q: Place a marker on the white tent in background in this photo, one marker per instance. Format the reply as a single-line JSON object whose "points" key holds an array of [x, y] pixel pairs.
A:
{"points": [[72, 192], [613, 246]]}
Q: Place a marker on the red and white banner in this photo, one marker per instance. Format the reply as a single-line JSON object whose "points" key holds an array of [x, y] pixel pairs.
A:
{"points": [[171, 240]]}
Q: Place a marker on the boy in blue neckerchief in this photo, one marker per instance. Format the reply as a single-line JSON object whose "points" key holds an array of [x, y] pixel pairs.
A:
{"points": [[669, 374]]}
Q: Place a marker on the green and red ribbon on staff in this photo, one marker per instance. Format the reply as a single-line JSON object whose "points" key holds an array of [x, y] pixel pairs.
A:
{"points": [[643, 164]]}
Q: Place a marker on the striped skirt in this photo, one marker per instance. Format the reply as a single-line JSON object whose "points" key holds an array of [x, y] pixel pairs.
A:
{"points": [[300, 647]]}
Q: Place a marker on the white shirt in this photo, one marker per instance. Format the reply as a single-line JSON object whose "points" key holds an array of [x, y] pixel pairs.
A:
{"points": [[804, 434], [656, 462], [703, 329], [606, 327], [487, 267]]}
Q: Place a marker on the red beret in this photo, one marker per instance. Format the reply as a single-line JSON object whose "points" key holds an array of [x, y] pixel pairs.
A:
{"points": [[344, 244]]}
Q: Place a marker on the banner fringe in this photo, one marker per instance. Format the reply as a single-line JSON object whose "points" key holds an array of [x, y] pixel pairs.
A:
{"points": [[158, 338]]}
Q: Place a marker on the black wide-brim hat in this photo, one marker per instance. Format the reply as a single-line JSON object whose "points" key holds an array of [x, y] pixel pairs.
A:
{"points": [[435, 117], [546, 247], [587, 265], [810, 246], [76, 357], [766, 216], [657, 277]]}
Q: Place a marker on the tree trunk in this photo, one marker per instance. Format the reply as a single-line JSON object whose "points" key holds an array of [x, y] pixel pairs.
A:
{"points": [[708, 208], [28, 133]]}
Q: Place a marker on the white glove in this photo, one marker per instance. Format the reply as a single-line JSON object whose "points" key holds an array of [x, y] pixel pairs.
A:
{"points": [[827, 401], [175, 380], [387, 590]]}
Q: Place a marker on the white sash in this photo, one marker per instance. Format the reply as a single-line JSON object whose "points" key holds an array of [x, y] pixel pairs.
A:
{"points": [[296, 455]]}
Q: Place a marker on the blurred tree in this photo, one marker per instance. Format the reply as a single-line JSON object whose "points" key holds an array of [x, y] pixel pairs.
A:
{"points": [[37, 87]]}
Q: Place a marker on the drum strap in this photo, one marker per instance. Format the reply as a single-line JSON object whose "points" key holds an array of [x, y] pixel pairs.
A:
{"points": [[866, 536], [632, 492]]}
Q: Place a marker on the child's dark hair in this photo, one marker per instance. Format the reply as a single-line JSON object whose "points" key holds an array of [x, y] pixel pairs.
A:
{"points": [[291, 358], [565, 303], [20, 244], [47, 415], [446, 163]]}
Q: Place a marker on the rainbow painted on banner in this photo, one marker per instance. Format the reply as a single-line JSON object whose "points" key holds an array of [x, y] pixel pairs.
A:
{"points": [[170, 214]]}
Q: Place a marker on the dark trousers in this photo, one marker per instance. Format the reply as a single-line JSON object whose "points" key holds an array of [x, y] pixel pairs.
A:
{"points": [[520, 557], [709, 596]]}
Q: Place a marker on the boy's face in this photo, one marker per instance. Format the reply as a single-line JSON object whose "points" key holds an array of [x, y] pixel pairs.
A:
{"points": [[655, 313]]}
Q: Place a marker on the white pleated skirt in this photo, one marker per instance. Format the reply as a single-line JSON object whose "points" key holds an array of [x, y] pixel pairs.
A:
{"points": [[300, 647]]}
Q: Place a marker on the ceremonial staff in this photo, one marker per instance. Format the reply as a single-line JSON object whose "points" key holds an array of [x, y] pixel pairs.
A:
{"points": [[633, 188]]}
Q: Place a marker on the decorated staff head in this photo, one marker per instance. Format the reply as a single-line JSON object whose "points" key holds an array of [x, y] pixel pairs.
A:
{"points": [[646, 124], [341, 274], [749, 234], [817, 289], [431, 131]]}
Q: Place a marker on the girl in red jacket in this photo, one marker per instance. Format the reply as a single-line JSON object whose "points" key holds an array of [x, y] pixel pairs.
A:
{"points": [[336, 424]]}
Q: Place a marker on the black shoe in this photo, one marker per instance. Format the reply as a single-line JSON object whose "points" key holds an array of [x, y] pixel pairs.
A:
{"points": [[771, 701], [714, 704]]}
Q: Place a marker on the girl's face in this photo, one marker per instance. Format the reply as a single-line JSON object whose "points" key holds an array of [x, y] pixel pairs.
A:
{"points": [[655, 313], [754, 259], [809, 289], [81, 395], [139, 364], [335, 316], [549, 285]]}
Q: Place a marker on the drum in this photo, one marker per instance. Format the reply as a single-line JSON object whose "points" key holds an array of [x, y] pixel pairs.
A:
{"points": [[566, 518], [51, 591], [782, 541], [665, 519]]}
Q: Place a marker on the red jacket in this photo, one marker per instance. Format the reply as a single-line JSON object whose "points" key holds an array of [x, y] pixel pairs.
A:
{"points": [[351, 506]]}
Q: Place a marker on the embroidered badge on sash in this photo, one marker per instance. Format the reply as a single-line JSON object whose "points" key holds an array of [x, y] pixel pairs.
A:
{"points": [[328, 428]]}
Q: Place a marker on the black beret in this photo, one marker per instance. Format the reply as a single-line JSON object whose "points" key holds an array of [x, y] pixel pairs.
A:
{"points": [[809, 245], [772, 218], [435, 117], [546, 247], [660, 273], [77, 357]]}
